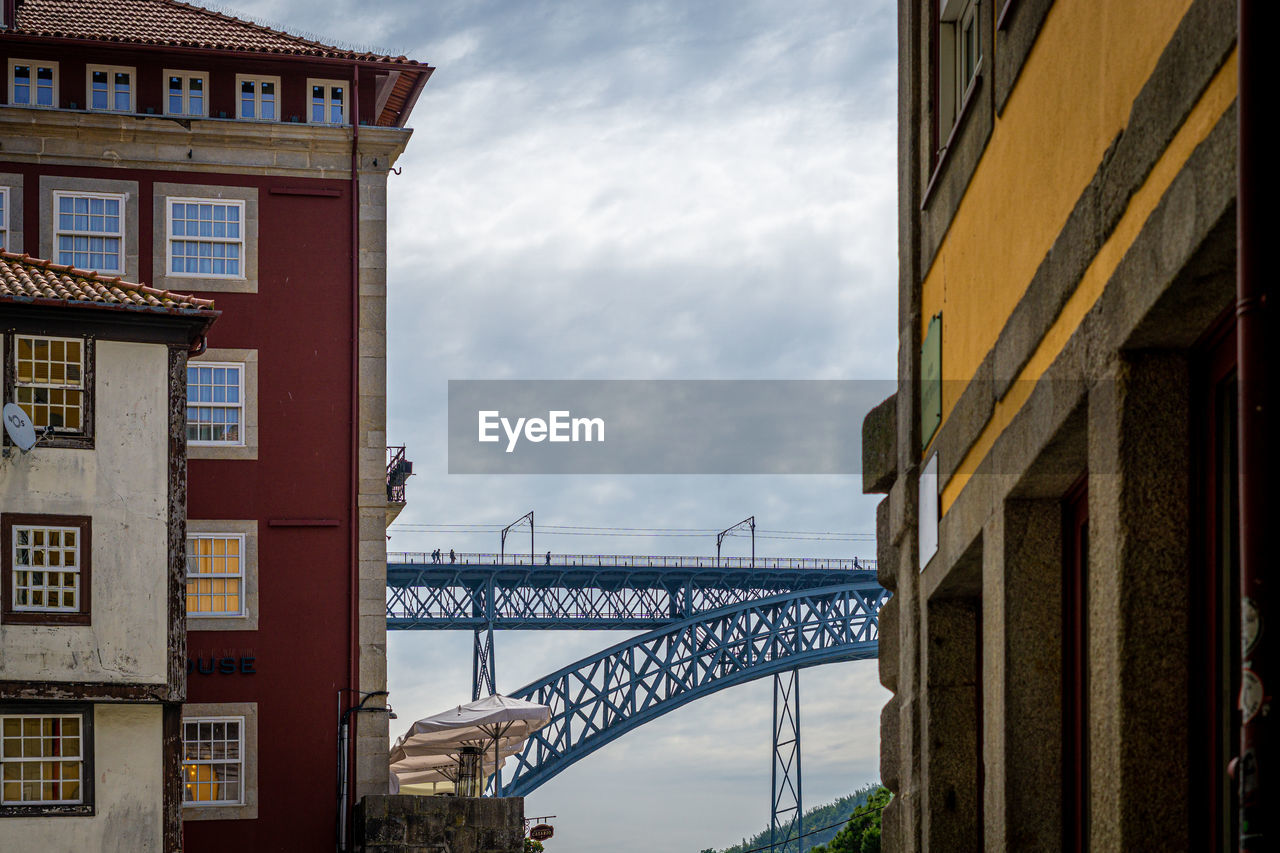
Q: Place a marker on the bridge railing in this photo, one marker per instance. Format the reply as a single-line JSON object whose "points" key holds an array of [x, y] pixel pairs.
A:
{"points": [[635, 561]]}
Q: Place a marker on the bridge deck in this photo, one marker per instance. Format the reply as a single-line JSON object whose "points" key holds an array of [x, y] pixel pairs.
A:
{"points": [[591, 591]]}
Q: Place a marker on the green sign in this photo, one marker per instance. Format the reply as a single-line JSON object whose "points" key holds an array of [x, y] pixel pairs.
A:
{"points": [[931, 381]]}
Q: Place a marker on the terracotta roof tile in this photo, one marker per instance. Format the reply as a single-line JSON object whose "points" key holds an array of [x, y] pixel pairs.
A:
{"points": [[171, 23], [27, 279]]}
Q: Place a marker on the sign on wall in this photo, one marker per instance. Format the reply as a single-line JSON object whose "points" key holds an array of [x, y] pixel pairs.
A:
{"points": [[931, 381], [928, 509], [202, 665]]}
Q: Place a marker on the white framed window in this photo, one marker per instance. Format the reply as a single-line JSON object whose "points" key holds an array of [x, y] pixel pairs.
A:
{"points": [[49, 381], [88, 230], [110, 88], [46, 568], [215, 575], [327, 102], [213, 761], [215, 403], [42, 759], [186, 93], [959, 55], [33, 83], [222, 571], [4, 217], [257, 97], [206, 238]]}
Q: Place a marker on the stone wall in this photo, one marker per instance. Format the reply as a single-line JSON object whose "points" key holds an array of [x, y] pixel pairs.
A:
{"points": [[396, 823]]}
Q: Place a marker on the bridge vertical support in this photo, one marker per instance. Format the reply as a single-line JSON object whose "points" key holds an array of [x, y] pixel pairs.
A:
{"points": [[482, 665], [786, 809], [483, 671]]}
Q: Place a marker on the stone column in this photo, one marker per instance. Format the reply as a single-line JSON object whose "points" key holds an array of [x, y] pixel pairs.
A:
{"points": [[950, 738], [372, 728], [1022, 672], [1139, 572]]}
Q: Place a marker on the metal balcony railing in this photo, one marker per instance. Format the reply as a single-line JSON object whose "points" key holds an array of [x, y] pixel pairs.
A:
{"points": [[399, 469], [636, 561]]}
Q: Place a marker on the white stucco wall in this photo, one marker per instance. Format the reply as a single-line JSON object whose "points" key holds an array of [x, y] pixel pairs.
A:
{"points": [[123, 485], [128, 792]]}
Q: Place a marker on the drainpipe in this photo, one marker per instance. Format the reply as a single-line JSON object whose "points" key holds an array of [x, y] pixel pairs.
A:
{"points": [[1255, 337], [353, 675], [344, 753]]}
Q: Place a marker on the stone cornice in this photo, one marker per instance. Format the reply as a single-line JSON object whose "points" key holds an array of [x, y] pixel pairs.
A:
{"points": [[81, 138]]}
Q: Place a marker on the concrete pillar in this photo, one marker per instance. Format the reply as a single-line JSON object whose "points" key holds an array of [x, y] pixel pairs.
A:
{"points": [[952, 787], [1022, 673], [901, 727], [1139, 572]]}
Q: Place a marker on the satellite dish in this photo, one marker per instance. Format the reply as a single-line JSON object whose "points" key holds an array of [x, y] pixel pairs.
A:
{"points": [[19, 427]]}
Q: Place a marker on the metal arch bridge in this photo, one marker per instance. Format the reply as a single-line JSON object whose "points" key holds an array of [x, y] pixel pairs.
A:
{"points": [[713, 623], [606, 695]]}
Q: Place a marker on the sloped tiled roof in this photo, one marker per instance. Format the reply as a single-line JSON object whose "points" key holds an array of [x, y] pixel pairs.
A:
{"points": [[170, 23], [24, 279]]}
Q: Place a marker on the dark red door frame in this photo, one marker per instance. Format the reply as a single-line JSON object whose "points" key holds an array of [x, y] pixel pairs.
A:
{"points": [[1257, 331], [1075, 668], [1215, 606]]}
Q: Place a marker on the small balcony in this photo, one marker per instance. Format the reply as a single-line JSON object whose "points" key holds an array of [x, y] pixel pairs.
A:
{"points": [[399, 469]]}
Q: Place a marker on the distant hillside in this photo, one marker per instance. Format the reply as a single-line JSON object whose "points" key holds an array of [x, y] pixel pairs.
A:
{"points": [[832, 815]]}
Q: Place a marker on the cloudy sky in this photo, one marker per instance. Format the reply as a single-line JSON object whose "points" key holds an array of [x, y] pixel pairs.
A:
{"points": [[638, 190]]}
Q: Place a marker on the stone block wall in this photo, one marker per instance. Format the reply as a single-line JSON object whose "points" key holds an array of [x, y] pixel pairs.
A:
{"points": [[397, 823]]}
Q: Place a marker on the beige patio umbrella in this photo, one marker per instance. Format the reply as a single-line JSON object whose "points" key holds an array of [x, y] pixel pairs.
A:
{"points": [[495, 724], [438, 771]]}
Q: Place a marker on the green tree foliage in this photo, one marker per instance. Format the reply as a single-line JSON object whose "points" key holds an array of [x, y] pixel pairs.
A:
{"points": [[829, 815], [862, 833], [531, 846]]}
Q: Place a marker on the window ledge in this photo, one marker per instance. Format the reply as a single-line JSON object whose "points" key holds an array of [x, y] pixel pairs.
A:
{"points": [[77, 810], [46, 617], [187, 276], [243, 622], [64, 441], [219, 811], [962, 117]]}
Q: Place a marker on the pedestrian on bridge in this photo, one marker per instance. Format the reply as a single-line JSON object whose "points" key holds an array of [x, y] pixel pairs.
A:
{"points": [[453, 558], [548, 558]]}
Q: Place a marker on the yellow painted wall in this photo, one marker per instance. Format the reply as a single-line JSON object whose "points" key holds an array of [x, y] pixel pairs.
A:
{"points": [[1073, 96], [1217, 98]]}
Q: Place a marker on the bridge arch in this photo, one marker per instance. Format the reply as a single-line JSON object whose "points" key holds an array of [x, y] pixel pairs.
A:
{"points": [[602, 697]]}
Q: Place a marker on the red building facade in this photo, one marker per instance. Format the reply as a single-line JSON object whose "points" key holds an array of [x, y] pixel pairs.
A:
{"points": [[193, 151]]}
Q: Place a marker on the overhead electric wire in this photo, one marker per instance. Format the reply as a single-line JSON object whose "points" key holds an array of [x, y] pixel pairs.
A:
{"points": [[404, 530], [639, 532], [711, 530]]}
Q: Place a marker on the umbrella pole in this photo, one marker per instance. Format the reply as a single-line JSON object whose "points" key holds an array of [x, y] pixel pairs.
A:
{"points": [[498, 731]]}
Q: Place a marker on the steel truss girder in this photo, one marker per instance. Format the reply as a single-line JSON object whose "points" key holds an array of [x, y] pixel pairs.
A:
{"points": [[601, 697], [442, 597]]}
